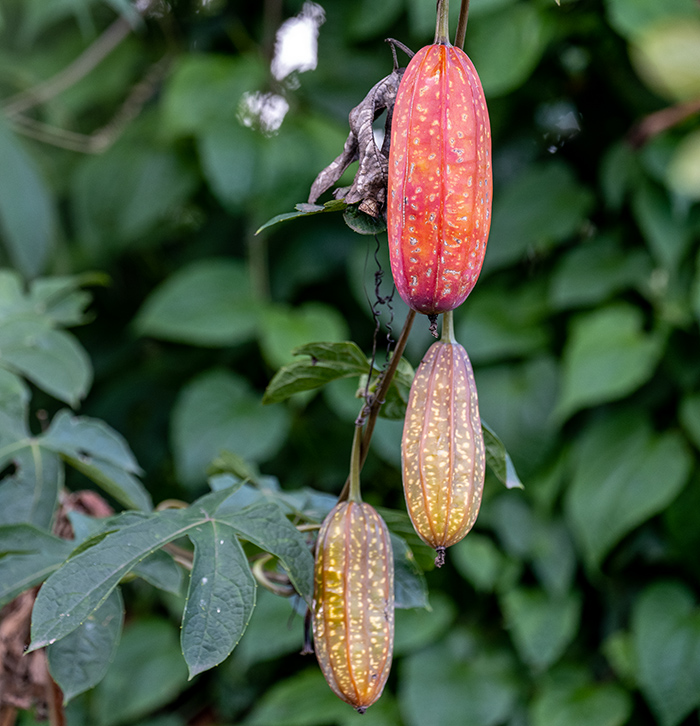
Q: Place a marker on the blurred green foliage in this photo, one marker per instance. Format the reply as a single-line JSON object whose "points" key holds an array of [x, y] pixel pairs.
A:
{"points": [[128, 145]]}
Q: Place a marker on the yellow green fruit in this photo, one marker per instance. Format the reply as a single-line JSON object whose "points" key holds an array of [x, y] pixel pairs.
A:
{"points": [[353, 606]]}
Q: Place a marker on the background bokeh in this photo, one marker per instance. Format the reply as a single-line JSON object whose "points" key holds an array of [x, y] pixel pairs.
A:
{"points": [[573, 601]]}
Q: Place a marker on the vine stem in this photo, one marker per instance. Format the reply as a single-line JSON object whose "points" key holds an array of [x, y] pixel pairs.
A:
{"points": [[462, 24], [380, 396], [448, 328]]}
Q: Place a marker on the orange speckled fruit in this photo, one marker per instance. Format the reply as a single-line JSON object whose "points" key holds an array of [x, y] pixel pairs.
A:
{"points": [[353, 606], [443, 448], [440, 180]]}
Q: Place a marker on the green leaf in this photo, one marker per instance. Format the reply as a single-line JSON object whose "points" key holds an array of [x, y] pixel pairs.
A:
{"points": [[230, 154], [114, 199], [410, 588], [543, 206], [27, 556], [666, 56], [579, 702], [208, 303], [498, 459], [329, 361], [271, 632], [595, 271], [417, 628], [220, 598], [286, 328], [667, 237], [50, 358], [630, 17], [147, 673], [264, 525], [506, 46], [30, 494], [666, 632], [76, 436], [218, 411], [80, 660], [204, 90], [86, 580], [607, 356], [306, 700], [28, 220], [14, 395], [623, 474], [502, 322], [541, 626], [160, 570], [362, 223], [306, 210], [683, 175], [455, 683], [479, 561]]}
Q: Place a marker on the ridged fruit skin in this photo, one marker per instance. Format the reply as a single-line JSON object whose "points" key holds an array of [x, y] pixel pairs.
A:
{"points": [[440, 180], [353, 606], [442, 449]]}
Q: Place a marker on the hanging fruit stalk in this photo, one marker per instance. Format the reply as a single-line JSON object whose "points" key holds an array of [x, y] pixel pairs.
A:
{"points": [[442, 450], [440, 177], [353, 606]]}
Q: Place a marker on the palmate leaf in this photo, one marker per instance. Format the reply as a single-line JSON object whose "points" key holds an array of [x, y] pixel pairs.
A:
{"points": [[27, 556], [221, 593], [87, 444]]}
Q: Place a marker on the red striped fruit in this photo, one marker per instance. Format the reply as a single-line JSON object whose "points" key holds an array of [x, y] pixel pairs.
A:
{"points": [[440, 180], [353, 606], [442, 449]]}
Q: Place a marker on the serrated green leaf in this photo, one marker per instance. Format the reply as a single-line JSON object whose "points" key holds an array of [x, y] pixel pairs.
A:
{"points": [[80, 660], [160, 570], [541, 626], [220, 599], [207, 303], [623, 474], [306, 210], [86, 580], [27, 556], [329, 361], [666, 633], [264, 524], [77, 436], [120, 484], [498, 459]]}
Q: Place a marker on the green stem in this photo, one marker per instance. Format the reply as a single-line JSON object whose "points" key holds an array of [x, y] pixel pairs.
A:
{"points": [[462, 24], [355, 466], [442, 27], [448, 328]]}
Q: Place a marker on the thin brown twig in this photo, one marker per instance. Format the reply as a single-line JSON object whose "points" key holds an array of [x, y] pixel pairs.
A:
{"points": [[659, 121], [71, 74], [461, 33]]}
